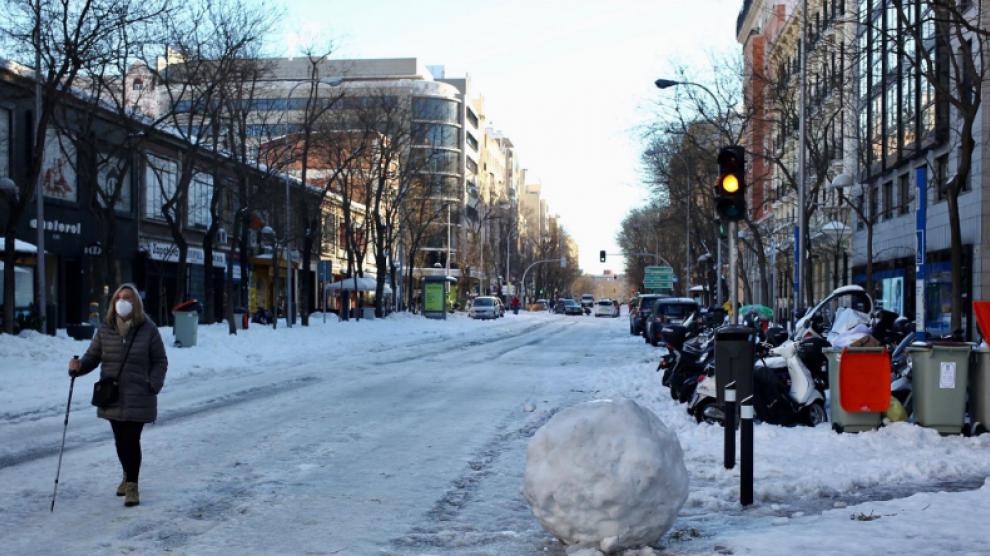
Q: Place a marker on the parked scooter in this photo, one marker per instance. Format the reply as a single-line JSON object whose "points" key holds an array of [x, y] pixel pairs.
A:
{"points": [[703, 405], [789, 382]]}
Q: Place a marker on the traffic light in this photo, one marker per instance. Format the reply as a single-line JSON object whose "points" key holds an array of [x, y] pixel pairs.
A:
{"points": [[730, 192], [601, 255]]}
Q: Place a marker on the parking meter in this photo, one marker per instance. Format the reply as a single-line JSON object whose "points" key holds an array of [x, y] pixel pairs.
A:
{"points": [[734, 360]]}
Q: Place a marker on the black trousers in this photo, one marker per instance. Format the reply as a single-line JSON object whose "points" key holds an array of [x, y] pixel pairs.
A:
{"points": [[127, 436]]}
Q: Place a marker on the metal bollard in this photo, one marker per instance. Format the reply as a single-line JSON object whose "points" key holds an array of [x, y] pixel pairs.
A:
{"points": [[746, 451], [729, 458]]}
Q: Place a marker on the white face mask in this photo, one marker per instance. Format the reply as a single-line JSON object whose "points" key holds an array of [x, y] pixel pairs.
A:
{"points": [[123, 307]]}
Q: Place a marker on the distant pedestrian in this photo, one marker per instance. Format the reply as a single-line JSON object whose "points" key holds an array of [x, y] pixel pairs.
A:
{"points": [[127, 346], [515, 305]]}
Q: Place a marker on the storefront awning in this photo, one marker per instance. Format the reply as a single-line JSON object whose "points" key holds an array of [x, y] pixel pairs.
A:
{"points": [[20, 246]]}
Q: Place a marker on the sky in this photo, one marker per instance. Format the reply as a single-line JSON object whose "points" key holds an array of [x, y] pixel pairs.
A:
{"points": [[569, 81]]}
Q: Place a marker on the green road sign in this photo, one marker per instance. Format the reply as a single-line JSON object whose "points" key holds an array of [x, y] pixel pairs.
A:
{"points": [[658, 271]]}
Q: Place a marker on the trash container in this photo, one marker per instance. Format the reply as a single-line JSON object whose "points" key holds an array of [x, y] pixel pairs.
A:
{"points": [[240, 318], [186, 315], [979, 390], [939, 376], [844, 420]]}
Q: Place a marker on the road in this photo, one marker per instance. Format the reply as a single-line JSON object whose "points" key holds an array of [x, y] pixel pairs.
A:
{"points": [[411, 449], [407, 437]]}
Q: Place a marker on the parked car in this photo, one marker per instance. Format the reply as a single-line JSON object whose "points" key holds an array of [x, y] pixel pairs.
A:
{"points": [[500, 305], [539, 305], [484, 307], [606, 308], [669, 310], [641, 307]]}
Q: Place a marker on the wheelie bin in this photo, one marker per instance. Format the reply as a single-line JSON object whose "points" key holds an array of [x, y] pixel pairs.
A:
{"points": [[186, 326], [979, 390], [863, 375], [939, 377]]}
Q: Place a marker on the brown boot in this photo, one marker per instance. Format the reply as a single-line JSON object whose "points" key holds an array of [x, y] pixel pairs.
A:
{"points": [[131, 494], [121, 486]]}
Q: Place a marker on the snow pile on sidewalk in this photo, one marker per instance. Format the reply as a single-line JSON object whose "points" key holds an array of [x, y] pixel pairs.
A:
{"points": [[606, 474]]}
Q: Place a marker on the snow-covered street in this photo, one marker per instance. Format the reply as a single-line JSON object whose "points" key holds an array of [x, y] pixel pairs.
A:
{"points": [[408, 436]]}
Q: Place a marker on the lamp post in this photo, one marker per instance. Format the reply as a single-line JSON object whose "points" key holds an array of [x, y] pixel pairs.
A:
{"points": [[289, 313], [39, 185], [666, 84]]}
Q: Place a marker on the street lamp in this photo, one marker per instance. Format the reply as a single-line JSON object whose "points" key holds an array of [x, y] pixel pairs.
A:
{"points": [[668, 83]]}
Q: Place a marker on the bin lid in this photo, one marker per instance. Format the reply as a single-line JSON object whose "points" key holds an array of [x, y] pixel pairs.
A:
{"points": [[864, 380], [734, 332]]}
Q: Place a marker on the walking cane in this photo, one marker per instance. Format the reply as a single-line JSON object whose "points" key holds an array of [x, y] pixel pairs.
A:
{"points": [[65, 427]]}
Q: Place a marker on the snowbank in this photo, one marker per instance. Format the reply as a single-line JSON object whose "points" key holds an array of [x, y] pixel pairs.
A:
{"points": [[606, 474]]}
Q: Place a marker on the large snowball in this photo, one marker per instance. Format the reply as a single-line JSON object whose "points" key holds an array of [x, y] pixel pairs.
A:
{"points": [[606, 474]]}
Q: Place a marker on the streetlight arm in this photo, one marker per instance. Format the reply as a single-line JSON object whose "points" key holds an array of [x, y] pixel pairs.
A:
{"points": [[667, 83]]}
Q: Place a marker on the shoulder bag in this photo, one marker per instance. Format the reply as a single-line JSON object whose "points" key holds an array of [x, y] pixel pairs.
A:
{"points": [[106, 391]]}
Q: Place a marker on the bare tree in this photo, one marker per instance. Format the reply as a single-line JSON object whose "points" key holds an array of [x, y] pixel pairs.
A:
{"points": [[66, 39], [946, 43]]}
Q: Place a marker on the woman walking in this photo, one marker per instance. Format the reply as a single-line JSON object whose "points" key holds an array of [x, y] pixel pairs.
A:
{"points": [[127, 347]]}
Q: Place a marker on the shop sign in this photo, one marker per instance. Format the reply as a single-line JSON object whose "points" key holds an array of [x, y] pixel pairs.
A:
{"points": [[169, 252], [57, 226]]}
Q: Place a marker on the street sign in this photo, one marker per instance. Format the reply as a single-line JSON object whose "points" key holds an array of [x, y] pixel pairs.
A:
{"points": [[658, 271], [659, 277]]}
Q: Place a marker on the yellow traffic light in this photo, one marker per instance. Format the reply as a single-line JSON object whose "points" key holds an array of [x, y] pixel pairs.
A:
{"points": [[730, 183]]}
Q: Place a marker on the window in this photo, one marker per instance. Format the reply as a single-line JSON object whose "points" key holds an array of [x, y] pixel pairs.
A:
{"points": [[137, 85], [200, 195], [888, 200], [437, 109], [471, 118], [329, 232], [941, 167], [436, 135], [472, 166], [437, 161], [5, 142], [114, 178], [471, 141], [874, 202], [860, 223], [904, 194], [160, 178]]}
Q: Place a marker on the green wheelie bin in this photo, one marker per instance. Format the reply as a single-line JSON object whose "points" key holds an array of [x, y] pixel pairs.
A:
{"points": [[939, 377]]}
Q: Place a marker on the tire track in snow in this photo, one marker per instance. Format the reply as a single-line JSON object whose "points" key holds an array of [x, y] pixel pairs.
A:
{"points": [[440, 519], [167, 417], [224, 401]]}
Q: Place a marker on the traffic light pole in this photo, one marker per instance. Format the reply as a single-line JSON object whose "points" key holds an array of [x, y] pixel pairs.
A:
{"points": [[733, 281]]}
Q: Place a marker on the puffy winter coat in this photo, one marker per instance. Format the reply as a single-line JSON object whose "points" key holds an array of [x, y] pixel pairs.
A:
{"points": [[143, 376]]}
